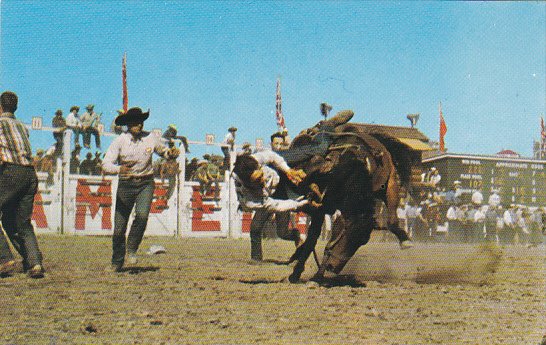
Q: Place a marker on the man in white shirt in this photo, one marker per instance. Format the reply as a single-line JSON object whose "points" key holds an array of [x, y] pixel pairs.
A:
{"points": [[260, 188], [74, 123], [227, 146], [130, 156]]}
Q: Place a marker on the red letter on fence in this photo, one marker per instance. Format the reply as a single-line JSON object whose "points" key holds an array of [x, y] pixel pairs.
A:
{"points": [[102, 198], [38, 214], [199, 208]]}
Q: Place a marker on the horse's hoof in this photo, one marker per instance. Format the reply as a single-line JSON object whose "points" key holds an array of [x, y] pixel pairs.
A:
{"points": [[294, 278], [407, 244]]}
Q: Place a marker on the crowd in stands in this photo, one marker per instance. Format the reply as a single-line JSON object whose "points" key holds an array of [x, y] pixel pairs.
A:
{"points": [[451, 216]]}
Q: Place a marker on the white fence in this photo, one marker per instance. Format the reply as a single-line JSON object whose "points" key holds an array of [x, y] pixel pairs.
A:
{"points": [[85, 205]]}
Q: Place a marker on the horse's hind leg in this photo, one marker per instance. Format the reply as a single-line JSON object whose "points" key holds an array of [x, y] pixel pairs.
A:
{"points": [[392, 200], [303, 252]]}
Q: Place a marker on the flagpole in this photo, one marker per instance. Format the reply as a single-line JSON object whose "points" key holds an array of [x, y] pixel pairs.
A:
{"points": [[125, 96]]}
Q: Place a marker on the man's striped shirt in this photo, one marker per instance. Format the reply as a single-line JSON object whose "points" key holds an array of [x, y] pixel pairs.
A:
{"points": [[14, 141]]}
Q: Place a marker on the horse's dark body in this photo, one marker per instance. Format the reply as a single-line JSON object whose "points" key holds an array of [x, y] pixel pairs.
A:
{"points": [[360, 170]]}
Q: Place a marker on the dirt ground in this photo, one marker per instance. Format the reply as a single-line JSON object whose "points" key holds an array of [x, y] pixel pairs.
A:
{"points": [[203, 291]]}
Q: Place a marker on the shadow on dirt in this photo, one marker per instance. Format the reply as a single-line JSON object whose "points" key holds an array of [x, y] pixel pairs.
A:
{"points": [[139, 269], [342, 280]]}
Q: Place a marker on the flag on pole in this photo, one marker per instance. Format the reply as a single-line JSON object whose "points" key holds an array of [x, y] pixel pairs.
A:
{"points": [[542, 136], [443, 129], [124, 81], [278, 111]]}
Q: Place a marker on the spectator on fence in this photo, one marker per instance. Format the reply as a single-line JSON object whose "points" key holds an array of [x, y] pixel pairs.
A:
{"points": [[169, 170], [19, 184], [90, 125], [74, 123], [115, 128], [246, 148], [171, 134], [227, 145], [191, 167], [97, 163], [208, 175], [59, 124], [37, 160], [49, 166], [87, 166], [130, 156], [75, 159]]}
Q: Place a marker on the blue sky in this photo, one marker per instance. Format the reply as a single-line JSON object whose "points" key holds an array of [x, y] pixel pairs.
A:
{"points": [[206, 66]]}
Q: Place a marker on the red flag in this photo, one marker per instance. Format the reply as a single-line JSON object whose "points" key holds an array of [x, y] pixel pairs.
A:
{"points": [[542, 135], [124, 81], [443, 130], [278, 112], [542, 130]]}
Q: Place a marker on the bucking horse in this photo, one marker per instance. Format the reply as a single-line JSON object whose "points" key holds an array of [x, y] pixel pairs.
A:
{"points": [[352, 170]]}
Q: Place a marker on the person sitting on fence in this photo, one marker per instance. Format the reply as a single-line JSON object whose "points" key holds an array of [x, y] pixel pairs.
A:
{"points": [[168, 170], [228, 144], [74, 123], [207, 174], [37, 160], [59, 124], [171, 134], [90, 122]]}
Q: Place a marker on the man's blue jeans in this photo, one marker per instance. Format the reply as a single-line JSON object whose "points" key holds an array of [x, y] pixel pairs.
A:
{"points": [[18, 185], [137, 193]]}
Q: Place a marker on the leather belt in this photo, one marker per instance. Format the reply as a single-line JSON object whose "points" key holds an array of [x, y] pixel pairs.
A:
{"points": [[137, 178]]}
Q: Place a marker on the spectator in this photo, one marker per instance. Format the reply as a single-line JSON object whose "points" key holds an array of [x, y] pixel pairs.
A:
{"points": [[491, 223], [455, 222], [535, 227], [453, 195], [75, 160], [90, 125], [431, 177], [190, 168], [87, 166], [506, 236], [246, 149], [494, 198], [169, 171], [37, 160], [97, 161], [171, 134], [115, 128], [74, 123], [59, 125], [228, 144]]}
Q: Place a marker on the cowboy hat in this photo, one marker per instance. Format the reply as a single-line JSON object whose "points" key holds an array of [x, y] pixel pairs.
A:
{"points": [[232, 129], [132, 115], [58, 112], [74, 107], [90, 106]]}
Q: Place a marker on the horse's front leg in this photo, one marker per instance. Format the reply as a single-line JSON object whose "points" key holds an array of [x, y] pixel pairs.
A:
{"points": [[303, 252]]}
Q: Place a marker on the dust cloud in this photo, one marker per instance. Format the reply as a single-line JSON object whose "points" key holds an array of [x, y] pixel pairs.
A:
{"points": [[427, 264]]}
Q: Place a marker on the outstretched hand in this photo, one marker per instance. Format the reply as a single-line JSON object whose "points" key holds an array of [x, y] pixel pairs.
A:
{"points": [[295, 176]]}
